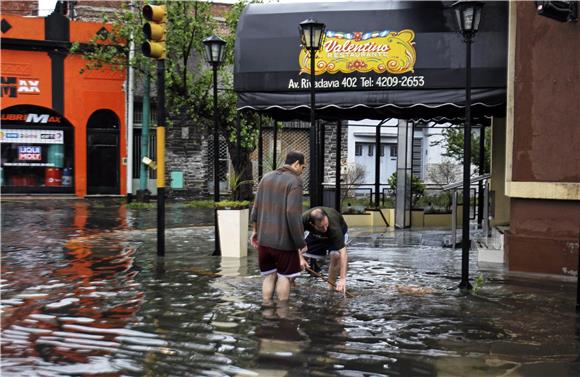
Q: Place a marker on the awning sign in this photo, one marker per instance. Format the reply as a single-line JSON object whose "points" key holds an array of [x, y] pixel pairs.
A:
{"points": [[381, 52], [32, 136], [29, 153], [377, 53]]}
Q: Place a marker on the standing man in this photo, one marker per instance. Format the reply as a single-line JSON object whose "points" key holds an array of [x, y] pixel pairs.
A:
{"points": [[278, 232], [327, 235]]}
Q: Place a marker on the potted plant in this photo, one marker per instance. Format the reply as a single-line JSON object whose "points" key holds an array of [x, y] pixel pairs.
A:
{"points": [[233, 221]]}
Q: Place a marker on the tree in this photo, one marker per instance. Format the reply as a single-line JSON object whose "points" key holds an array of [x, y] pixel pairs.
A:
{"points": [[417, 188], [444, 173], [355, 174], [188, 80], [453, 143]]}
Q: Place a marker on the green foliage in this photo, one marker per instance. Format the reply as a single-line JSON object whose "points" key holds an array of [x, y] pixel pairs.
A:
{"points": [[453, 143], [417, 188], [478, 283], [235, 182], [200, 204], [232, 204], [139, 205], [439, 203]]}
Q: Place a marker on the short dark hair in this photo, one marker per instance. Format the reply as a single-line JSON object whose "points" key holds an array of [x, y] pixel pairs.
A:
{"points": [[294, 156]]}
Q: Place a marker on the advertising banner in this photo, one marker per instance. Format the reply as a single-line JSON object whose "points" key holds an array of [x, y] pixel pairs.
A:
{"points": [[22, 136]]}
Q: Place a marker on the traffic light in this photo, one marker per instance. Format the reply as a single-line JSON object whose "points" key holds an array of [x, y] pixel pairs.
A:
{"points": [[155, 31]]}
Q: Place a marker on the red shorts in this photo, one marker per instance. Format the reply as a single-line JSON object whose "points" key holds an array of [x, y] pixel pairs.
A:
{"points": [[285, 263]]}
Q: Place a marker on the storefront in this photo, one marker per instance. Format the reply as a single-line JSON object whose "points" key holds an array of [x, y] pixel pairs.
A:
{"points": [[37, 151], [63, 131]]}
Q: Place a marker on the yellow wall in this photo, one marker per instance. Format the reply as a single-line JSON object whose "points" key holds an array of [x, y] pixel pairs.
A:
{"points": [[500, 202], [419, 219]]}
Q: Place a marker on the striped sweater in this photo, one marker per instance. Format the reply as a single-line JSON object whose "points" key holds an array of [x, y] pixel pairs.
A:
{"points": [[277, 210]]}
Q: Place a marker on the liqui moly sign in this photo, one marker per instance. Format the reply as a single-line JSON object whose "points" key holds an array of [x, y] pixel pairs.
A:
{"points": [[29, 153]]}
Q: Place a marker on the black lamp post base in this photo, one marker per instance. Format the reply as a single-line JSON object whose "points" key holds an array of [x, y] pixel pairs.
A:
{"points": [[465, 286]]}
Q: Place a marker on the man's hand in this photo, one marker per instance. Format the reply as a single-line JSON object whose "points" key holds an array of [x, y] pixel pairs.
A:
{"points": [[303, 262], [341, 285], [254, 240]]}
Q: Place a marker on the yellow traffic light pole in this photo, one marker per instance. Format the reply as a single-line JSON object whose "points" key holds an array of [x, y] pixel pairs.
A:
{"points": [[154, 47]]}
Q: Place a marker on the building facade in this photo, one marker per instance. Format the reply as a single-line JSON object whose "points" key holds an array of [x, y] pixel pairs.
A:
{"points": [[542, 158], [62, 131]]}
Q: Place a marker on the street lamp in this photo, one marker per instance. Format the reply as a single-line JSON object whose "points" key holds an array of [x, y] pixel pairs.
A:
{"points": [[311, 35], [468, 15], [214, 56]]}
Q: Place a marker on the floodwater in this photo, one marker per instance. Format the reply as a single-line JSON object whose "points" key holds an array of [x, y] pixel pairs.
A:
{"points": [[83, 294]]}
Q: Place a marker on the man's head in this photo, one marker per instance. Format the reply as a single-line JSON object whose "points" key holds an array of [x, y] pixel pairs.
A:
{"points": [[295, 160], [319, 220]]}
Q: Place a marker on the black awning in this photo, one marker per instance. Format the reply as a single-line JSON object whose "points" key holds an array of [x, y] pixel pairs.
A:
{"points": [[380, 59]]}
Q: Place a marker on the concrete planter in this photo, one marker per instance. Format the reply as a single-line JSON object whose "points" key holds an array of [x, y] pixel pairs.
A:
{"points": [[233, 230], [490, 255]]}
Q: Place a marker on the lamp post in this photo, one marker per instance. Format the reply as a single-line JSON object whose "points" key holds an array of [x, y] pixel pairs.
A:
{"points": [[311, 35], [468, 15], [214, 56]]}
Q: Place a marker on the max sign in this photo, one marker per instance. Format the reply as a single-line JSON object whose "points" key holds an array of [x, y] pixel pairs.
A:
{"points": [[13, 86]]}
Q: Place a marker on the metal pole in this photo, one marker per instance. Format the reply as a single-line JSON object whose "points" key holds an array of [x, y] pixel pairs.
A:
{"points": [[377, 164], [337, 193], [313, 136], [216, 152], [321, 155], [480, 199], [465, 241], [130, 116], [454, 219], [161, 158], [411, 175], [260, 150], [275, 149], [143, 171], [238, 140], [485, 219]]}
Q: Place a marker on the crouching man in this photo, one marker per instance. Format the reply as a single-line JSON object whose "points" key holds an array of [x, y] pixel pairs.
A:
{"points": [[327, 236]]}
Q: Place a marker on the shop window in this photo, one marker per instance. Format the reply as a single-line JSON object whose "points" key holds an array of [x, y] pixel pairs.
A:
{"points": [[37, 151]]}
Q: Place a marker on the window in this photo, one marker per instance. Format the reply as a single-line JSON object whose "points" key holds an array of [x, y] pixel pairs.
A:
{"points": [[393, 150], [371, 149], [358, 149], [383, 146]]}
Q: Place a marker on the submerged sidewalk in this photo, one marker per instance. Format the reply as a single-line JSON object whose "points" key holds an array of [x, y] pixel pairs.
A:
{"points": [[84, 293]]}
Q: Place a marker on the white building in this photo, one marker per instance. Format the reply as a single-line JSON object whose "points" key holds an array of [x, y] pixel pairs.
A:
{"points": [[362, 145]]}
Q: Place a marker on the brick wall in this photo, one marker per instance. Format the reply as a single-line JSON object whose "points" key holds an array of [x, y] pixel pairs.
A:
{"points": [[187, 151], [20, 8]]}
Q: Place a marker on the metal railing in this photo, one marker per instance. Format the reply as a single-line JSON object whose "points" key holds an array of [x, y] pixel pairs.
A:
{"points": [[455, 188]]}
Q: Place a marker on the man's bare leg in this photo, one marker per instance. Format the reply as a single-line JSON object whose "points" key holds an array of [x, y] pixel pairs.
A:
{"points": [[283, 288], [268, 286], [333, 268]]}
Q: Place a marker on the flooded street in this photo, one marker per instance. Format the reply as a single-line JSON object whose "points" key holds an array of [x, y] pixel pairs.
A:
{"points": [[83, 294]]}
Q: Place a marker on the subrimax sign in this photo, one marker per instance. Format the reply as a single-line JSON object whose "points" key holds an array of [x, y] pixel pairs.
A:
{"points": [[31, 118]]}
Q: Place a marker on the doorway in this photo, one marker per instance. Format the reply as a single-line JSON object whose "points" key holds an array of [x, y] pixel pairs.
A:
{"points": [[103, 153]]}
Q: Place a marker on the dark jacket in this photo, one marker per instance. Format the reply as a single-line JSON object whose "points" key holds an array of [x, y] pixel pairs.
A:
{"points": [[278, 210], [337, 227]]}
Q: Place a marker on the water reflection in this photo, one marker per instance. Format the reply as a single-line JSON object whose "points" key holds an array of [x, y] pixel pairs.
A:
{"points": [[83, 293]]}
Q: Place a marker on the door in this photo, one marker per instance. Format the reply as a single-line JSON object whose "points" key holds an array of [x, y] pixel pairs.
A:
{"points": [[103, 154]]}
